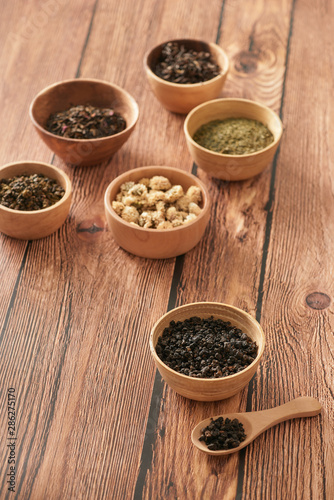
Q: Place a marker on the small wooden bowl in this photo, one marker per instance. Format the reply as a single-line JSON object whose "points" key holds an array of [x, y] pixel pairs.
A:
{"points": [[232, 167], [35, 224], [154, 243], [208, 389], [181, 98], [63, 95]]}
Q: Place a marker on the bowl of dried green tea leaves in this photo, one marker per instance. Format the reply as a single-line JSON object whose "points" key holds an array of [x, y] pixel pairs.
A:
{"points": [[232, 139], [35, 199]]}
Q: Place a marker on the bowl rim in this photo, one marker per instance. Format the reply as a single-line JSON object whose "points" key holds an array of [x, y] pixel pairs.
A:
{"points": [[164, 169], [75, 80], [223, 72], [231, 99], [209, 381], [68, 188]]}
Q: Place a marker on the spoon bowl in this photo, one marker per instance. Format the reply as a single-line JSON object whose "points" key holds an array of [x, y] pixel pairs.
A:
{"points": [[256, 422]]}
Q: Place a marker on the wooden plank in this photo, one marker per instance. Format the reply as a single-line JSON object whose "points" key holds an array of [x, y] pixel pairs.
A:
{"points": [[300, 361], [28, 64], [230, 258]]}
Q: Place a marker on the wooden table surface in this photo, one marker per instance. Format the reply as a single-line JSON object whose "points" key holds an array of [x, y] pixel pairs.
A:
{"points": [[93, 418]]}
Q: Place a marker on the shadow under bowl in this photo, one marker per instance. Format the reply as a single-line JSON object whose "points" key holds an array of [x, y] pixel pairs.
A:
{"points": [[210, 389], [68, 93]]}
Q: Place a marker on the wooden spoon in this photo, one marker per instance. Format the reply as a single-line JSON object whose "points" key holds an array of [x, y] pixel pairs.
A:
{"points": [[256, 422]]}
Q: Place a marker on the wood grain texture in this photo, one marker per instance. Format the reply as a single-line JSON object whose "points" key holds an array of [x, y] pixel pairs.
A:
{"points": [[300, 263], [232, 254], [93, 418]]}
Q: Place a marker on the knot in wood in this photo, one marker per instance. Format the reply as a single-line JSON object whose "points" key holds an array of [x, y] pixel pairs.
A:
{"points": [[246, 62], [318, 300], [90, 228]]}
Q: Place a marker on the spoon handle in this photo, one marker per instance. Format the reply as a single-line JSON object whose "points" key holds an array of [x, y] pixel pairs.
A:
{"points": [[300, 407]]}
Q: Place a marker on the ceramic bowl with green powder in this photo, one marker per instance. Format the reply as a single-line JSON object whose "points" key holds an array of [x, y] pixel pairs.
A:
{"points": [[232, 139]]}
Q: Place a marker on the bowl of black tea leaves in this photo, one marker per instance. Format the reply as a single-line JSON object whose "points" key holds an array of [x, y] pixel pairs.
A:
{"points": [[184, 73], [84, 121], [207, 351]]}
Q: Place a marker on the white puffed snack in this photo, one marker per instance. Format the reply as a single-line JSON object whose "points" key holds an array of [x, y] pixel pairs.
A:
{"points": [[174, 193], [190, 217], [118, 207], [129, 200], [139, 190], [160, 183], [145, 181], [126, 186], [183, 203], [130, 214], [194, 208], [156, 204], [165, 225], [154, 196], [145, 220], [194, 194]]}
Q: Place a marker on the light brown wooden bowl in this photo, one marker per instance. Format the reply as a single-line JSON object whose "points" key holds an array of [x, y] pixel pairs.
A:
{"points": [[35, 224], [61, 96], [208, 389], [154, 243], [231, 167], [181, 98]]}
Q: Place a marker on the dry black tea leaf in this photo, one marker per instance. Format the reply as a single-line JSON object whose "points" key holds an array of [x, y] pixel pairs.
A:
{"points": [[205, 348], [85, 122], [180, 65], [223, 434]]}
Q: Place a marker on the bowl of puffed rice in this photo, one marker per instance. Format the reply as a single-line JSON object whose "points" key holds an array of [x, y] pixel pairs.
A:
{"points": [[157, 212]]}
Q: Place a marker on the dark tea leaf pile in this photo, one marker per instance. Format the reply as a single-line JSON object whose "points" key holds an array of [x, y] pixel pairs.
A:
{"points": [[30, 192], [180, 65], [223, 434], [205, 348], [85, 122]]}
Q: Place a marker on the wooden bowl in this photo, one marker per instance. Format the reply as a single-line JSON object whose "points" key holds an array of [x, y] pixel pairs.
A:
{"points": [[35, 224], [63, 95], [232, 167], [181, 98], [154, 243], [208, 389]]}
